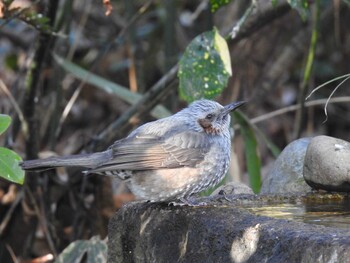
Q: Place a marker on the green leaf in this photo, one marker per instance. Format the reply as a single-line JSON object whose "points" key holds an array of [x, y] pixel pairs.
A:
{"points": [[302, 6], [205, 67], [5, 122], [95, 249], [9, 168], [251, 151], [11, 61], [216, 4], [108, 86], [347, 2]]}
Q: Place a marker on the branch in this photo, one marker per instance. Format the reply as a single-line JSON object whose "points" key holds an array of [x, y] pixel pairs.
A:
{"points": [[257, 22], [149, 100]]}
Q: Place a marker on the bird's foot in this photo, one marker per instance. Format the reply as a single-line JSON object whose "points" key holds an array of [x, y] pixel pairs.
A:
{"points": [[224, 195], [187, 202]]}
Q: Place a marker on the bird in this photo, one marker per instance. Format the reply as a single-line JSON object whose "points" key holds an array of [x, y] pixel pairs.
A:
{"points": [[166, 160]]}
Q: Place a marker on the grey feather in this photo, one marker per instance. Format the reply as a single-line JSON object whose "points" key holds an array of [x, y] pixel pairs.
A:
{"points": [[152, 152], [79, 160]]}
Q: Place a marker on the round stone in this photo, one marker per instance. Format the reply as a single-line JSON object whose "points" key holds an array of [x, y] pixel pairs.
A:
{"points": [[286, 174], [327, 164]]}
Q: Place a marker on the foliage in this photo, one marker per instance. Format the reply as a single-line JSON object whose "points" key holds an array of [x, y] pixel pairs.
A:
{"points": [[9, 160], [5, 122], [266, 62], [27, 15], [108, 86], [251, 151], [205, 67], [302, 6], [216, 4]]}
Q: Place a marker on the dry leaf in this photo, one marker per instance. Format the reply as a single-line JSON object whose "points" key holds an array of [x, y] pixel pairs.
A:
{"points": [[109, 7]]}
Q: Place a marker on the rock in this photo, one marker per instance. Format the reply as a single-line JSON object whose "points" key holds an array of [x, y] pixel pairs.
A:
{"points": [[286, 175], [327, 164], [233, 188], [218, 232]]}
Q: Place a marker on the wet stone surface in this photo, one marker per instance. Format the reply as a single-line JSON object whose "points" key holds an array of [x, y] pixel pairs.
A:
{"points": [[223, 231]]}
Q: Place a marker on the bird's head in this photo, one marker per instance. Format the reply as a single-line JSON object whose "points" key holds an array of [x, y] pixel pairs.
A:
{"points": [[212, 117]]}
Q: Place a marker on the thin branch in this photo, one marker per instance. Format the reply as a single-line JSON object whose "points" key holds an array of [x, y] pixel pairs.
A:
{"points": [[300, 114], [133, 19], [149, 100], [12, 254], [259, 21], [74, 97], [294, 108], [8, 216], [68, 108], [326, 83], [15, 105], [243, 19], [330, 96], [42, 220]]}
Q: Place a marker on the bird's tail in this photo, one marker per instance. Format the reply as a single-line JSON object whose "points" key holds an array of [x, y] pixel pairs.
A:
{"points": [[80, 160]]}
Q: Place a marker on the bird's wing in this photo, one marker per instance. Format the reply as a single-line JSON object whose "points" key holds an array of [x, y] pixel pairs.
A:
{"points": [[148, 152]]}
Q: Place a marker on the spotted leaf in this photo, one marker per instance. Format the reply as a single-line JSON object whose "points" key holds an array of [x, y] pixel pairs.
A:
{"points": [[205, 67]]}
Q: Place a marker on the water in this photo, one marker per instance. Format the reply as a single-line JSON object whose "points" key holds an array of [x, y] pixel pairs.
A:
{"points": [[331, 214]]}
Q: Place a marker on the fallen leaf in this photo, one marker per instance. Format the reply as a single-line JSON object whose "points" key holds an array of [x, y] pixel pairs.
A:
{"points": [[109, 7]]}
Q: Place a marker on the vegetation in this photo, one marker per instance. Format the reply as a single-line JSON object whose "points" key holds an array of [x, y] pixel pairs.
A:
{"points": [[78, 75]]}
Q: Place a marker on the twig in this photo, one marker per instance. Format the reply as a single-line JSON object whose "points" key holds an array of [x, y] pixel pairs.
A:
{"points": [[15, 105], [330, 96], [68, 108], [42, 219], [150, 99], [29, 108], [9, 213], [300, 115], [74, 97], [78, 33], [133, 19], [325, 84], [12, 254], [259, 21], [243, 19], [30, 99], [295, 107]]}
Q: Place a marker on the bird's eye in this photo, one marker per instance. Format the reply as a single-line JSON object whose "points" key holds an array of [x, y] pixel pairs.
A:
{"points": [[209, 116]]}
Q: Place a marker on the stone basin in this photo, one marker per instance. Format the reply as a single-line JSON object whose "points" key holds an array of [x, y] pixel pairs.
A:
{"points": [[331, 214], [233, 229]]}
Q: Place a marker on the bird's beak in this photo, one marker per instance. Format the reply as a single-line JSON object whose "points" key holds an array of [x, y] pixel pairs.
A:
{"points": [[232, 106]]}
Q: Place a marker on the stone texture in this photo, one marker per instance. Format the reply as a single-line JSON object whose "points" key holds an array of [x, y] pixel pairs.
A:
{"points": [[286, 174], [233, 188], [327, 164], [219, 232]]}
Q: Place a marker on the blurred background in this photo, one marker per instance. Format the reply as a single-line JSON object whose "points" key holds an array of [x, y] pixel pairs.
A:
{"points": [[70, 71]]}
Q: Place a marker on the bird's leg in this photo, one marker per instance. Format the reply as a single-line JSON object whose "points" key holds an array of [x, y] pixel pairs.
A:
{"points": [[188, 201]]}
